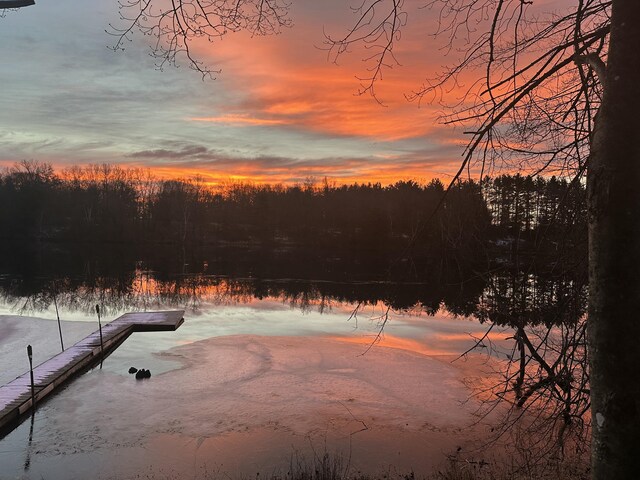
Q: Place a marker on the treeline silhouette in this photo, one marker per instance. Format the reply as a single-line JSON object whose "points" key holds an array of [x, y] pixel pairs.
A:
{"points": [[108, 203]]}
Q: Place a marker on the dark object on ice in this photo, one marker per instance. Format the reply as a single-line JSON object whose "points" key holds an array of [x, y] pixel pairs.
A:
{"points": [[142, 373], [133, 370]]}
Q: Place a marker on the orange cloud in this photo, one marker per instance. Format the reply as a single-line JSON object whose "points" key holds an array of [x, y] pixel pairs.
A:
{"points": [[316, 103], [287, 80]]}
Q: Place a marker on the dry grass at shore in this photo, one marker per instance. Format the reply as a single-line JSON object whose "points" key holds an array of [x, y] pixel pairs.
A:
{"points": [[336, 467]]}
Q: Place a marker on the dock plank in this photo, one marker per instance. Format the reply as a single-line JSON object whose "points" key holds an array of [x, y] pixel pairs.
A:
{"points": [[15, 396]]}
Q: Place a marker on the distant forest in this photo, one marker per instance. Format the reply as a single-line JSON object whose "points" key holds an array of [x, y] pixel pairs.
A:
{"points": [[108, 203]]}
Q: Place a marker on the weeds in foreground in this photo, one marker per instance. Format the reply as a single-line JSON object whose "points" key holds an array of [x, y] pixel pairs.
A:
{"points": [[456, 469], [328, 466], [334, 467]]}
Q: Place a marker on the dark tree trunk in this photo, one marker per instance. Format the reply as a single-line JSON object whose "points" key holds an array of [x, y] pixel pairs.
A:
{"points": [[614, 256]]}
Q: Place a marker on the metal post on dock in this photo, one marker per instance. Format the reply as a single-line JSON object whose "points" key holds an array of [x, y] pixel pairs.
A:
{"points": [[100, 328], [33, 393], [55, 303]]}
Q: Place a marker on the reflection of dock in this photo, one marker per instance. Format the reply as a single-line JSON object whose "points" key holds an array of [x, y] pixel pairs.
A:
{"points": [[15, 396]]}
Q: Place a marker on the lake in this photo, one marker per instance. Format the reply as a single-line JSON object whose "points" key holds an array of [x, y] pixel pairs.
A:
{"points": [[283, 354]]}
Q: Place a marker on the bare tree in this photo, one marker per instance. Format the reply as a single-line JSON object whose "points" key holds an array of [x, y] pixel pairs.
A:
{"points": [[560, 92], [175, 26]]}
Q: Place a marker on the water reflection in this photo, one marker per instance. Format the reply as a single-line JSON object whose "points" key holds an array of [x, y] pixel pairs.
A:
{"points": [[119, 279], [27, 460]]}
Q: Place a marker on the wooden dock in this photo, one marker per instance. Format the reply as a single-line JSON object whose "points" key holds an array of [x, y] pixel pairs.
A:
{"points": [[15, 396]]}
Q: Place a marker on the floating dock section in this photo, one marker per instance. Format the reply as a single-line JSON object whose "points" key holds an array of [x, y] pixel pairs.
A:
{"points": [[15, 396]]}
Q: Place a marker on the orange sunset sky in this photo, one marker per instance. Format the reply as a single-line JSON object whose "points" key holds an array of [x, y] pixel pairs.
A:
{"points": [[279, 111]]}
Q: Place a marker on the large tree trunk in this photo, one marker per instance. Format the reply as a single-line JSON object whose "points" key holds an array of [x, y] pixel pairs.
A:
{"points": [[614, 256]]}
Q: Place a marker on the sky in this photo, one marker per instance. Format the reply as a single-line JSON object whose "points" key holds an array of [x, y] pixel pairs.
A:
{"points": [[278, 112]]}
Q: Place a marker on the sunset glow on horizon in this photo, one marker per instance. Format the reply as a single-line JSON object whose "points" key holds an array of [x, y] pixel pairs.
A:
{"points": [[280, 111]]}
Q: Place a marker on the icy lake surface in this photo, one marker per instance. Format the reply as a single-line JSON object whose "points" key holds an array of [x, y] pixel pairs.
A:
{"points": [[241, 389]]}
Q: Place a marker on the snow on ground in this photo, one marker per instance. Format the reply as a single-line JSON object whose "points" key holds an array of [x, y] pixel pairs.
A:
{"points": [[243, 404]]}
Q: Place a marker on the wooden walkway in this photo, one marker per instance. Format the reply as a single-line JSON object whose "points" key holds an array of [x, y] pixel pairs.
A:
{"points": [[15, 396]]}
